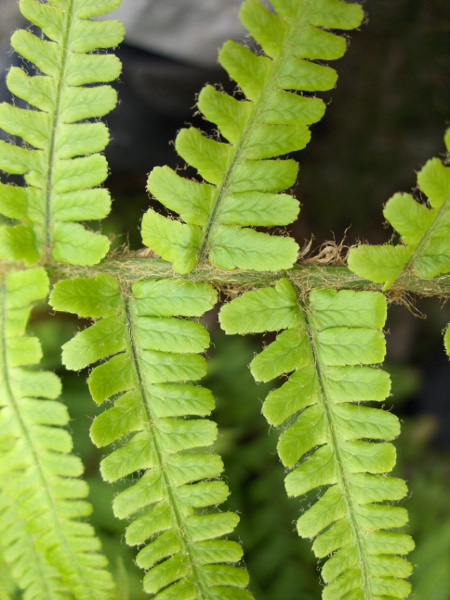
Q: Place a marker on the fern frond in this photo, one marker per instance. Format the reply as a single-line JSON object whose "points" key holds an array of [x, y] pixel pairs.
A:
{"points": [[425, 232], [150, 373], [37, 577], [40, 473], [243, 176], [330, 440], [60, 158]]}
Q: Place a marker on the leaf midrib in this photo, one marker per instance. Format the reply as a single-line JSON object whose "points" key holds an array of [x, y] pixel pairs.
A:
{"points": [[51, 159]]}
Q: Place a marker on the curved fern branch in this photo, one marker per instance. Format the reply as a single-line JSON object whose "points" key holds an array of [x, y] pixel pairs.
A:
{"points": [[425, 232], [154, 356], [43, 495], [60, 157], [242, 180], [329, 440]]}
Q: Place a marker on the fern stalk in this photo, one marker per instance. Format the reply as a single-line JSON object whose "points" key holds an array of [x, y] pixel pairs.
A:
{"points": [[305, 277]]}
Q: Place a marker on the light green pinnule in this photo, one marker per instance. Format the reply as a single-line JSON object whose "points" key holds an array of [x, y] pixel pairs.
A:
{"points": [[425, 231], [61, 159], [36, 577], [243, 175], [330, 440], [52, 553], [153, 361]]}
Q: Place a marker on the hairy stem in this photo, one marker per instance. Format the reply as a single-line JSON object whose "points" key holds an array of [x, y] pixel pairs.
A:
{"points": [[305, 278]]}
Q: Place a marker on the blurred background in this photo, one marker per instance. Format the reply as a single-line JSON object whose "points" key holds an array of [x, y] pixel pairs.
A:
{"points": [[384, 120]]}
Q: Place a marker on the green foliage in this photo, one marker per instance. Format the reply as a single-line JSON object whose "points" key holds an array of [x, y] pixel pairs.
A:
{"points": [[154, 355], [61, 161], [42, 498], [425, 232], [326, 343], [145, 347], [242, 180]]}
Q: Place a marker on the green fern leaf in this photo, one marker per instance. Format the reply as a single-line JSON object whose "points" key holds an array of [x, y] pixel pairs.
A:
{"points": [[155, 358], [242, 181], [38, 578], [447, 340], [61, 163], [43, 498], [175, 241], [268, 309], [330, 439], [425, 233]]}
